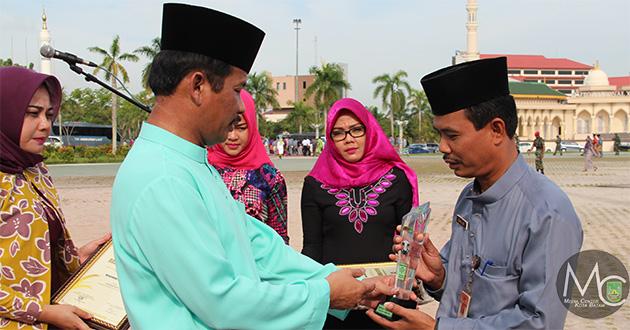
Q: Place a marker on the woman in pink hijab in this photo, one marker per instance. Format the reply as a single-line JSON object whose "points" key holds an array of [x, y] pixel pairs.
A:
{"points": [[355, 196], [248, 172]]}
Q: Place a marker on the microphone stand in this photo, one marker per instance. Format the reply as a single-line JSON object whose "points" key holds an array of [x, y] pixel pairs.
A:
{"points": [[92, 78]]}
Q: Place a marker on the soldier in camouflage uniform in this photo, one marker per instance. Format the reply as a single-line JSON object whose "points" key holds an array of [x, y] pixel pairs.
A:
{"points": [[558, 145], [539, 144], [617, 144]]}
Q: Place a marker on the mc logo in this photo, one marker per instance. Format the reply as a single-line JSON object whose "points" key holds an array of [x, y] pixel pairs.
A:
{"points": [[592, 284], [613, 288]]}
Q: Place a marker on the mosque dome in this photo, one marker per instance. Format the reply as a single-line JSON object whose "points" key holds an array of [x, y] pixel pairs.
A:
{"points": [[596, 77]]}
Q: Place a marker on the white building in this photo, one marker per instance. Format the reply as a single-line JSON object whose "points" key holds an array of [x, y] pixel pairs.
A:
{"points": [[601, 107], [559, 96]]}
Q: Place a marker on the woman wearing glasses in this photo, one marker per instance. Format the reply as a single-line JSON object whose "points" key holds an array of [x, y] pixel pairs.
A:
{"points": [[355, 196]]}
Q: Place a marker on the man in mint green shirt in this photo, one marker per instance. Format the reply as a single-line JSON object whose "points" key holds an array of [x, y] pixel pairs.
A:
{"points": [[187, 254]]}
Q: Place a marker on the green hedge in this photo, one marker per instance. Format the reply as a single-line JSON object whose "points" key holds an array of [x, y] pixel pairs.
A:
{"points": [[84, 154]]}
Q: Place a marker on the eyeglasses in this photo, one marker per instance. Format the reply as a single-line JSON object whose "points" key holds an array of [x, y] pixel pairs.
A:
{"points": [[340, 135]]}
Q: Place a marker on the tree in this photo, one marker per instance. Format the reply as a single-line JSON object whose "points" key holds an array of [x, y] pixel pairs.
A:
{"points": [[261, 87], [113, 68], [301, 115], [392, 91], [418, 103], [149, 52], [9, 62], [327, 87], [87, 105], [380, 118], [131, 117]]}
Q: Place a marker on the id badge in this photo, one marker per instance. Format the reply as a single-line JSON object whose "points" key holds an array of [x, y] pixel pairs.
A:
{"points": [[464, 303]]}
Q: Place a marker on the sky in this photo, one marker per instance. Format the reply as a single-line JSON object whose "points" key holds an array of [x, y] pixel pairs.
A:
{"points": [[372, 37]]}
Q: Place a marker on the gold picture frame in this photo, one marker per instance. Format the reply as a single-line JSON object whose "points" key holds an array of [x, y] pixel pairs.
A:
{"points": [[94, 289]]}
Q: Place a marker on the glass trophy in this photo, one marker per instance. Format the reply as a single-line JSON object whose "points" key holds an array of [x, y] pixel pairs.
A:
{"points": [[414, 225]]}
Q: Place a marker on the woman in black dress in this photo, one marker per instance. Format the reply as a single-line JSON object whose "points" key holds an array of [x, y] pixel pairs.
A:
{"points": [[355, 196]]}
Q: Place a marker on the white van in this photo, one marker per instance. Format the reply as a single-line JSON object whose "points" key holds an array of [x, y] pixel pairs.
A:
{"points": [[54, 141]]}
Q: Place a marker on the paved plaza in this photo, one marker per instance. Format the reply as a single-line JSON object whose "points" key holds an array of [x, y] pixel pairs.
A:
{"points": [[601, 198]]}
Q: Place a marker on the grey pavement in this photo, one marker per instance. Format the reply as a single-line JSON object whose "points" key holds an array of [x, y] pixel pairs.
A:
{"points": [[290, 164], [286, 164]]}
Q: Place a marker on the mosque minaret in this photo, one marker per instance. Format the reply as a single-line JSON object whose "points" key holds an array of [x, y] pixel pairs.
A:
{"points": [[472, 51], [44, 39]]}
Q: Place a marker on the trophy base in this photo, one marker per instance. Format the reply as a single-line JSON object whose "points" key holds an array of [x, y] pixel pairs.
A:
{"points": [[383, 312]]}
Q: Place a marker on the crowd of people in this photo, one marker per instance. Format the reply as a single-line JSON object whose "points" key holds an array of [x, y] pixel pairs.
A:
{"points": [[199, 211], [283, 146]]}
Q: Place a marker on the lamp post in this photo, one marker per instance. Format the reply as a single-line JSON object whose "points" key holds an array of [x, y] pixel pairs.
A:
{"points": [[420, 124], [297, 23], [400, 124]]}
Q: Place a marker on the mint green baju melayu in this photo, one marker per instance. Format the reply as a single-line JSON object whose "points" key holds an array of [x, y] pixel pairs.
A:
{"points": [[189, 257]]}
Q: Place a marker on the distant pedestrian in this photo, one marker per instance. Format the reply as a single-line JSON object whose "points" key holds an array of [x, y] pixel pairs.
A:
{"points": [[617, 144], [306, 147], [600, 145], [558, 145], [539, 144], [319, 146], [589, 152], [280, 147]]}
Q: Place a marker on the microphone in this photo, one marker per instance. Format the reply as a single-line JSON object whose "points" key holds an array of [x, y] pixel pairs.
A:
{"points": [[49, 52]]}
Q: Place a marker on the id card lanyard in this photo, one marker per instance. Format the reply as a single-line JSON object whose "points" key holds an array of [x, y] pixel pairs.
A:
{"points": [[465, 296]]}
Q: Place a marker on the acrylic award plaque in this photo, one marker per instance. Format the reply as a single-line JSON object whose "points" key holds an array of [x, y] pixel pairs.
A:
{"points": [[414, 224]]}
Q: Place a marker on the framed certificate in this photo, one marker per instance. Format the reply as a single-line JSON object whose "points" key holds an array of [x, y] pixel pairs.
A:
{"points": [[94, 288], [375, 268]]}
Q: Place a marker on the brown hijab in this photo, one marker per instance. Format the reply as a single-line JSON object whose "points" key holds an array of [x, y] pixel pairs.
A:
{"points": [[17, 87]]}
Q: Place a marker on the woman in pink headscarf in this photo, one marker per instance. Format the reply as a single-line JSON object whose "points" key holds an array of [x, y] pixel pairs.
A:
{"points": [[355, 195], [248, 172]]}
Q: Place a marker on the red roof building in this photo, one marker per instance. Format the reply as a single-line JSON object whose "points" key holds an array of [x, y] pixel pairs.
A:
{"points": [[561, 74], [619, 81]]}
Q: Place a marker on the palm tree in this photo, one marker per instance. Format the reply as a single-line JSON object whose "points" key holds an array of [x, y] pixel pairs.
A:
{"points": [[111, 63], [301, 115], [391, 89], [327, 87], [261, 87], [418, 102], [149, 52]]}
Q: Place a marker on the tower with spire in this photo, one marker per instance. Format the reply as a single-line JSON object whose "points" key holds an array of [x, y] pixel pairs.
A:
{"points": [[44, 39], [472, 52]]}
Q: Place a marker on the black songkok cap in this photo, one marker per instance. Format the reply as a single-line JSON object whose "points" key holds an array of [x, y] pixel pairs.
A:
{"points": [[460, 86], [212, 33]]}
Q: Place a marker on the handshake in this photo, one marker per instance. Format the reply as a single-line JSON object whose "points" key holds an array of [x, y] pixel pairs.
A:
{"points": [[347, 292]]}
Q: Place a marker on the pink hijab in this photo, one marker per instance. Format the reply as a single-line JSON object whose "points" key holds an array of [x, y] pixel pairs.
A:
{"points": [[254, 155], [380, 156]]}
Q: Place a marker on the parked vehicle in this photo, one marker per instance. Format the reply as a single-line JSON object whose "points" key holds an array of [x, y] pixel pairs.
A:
{"points": [[524, 146], [433, 147], [571, 146], [624, 146], [54, 141], [417, 148]]}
